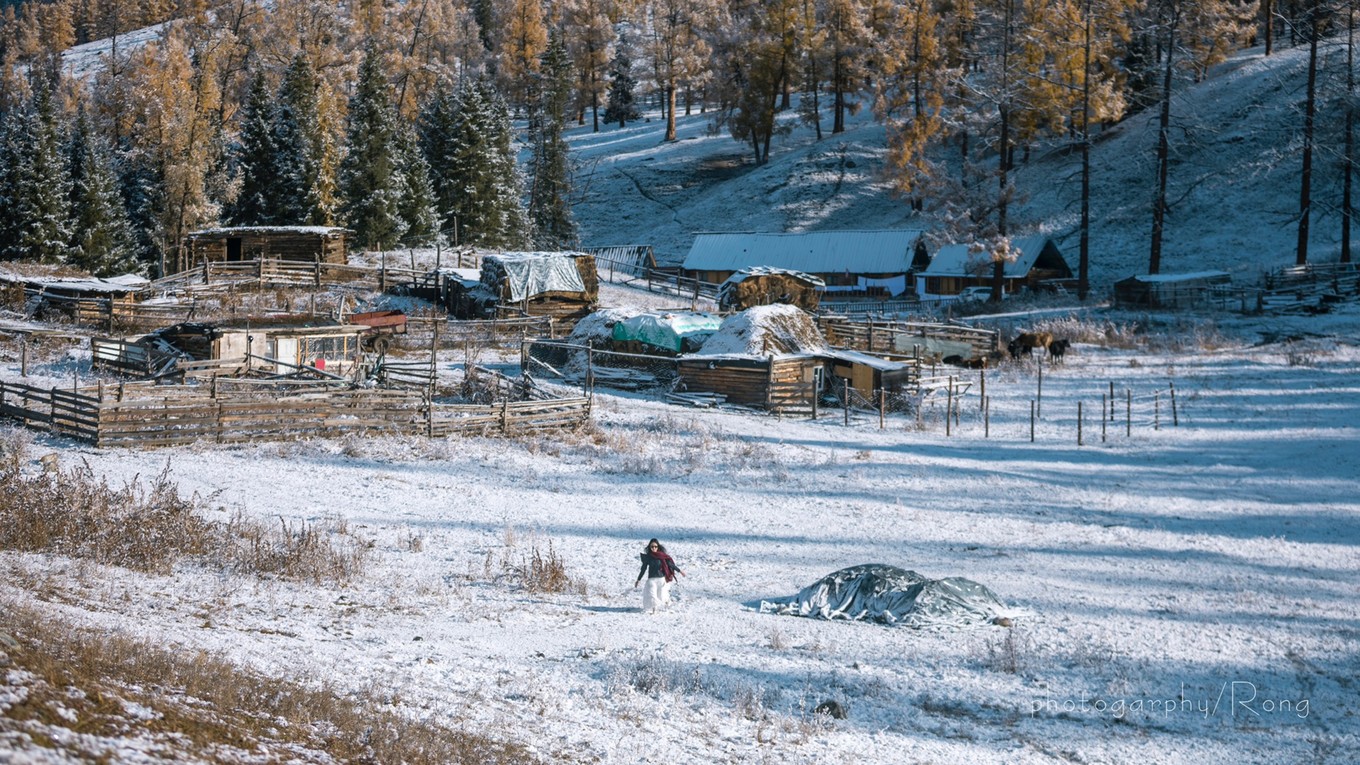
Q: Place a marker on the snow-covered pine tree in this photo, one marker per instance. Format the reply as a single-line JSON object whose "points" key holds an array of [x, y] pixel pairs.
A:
{"points": [[142, 186], [103, 235], [305, 150], [258, 201], [41, 184], [622, 105], [418, 210], [466, 137], [370, 177], [10, 150], [549, 197]]}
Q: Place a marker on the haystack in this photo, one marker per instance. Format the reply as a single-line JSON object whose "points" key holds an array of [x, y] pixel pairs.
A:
{"points": [[762, 285], [517, 276], [766, 330]]}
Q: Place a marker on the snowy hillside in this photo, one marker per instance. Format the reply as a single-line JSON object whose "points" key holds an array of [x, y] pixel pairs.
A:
{"points": [[1234, 181]]}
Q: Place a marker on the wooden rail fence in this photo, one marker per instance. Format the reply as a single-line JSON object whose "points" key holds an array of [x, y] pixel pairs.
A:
{"points": [[147, 415]]}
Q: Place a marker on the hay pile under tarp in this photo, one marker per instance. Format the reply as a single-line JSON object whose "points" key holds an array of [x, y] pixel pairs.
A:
{"points": [[517, 276], [766, 330], [763, 285], [886, 594], [678, 332], [597, 329]]}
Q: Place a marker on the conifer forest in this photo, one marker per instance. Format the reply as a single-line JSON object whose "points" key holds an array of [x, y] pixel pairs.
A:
{"points": [[410, 120]]}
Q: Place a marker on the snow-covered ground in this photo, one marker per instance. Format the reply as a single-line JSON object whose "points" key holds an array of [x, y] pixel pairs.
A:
{"points": [[1191, 591]]}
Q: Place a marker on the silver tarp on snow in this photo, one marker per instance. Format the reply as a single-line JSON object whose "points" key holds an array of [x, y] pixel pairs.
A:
{"points": [[891, 595]]}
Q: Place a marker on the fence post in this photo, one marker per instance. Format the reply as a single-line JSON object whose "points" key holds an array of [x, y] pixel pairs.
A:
{"points": [[949, 407], [845, 397], [1102, 416], [1031, 421], [23, 358], [1112, 400], [1039, 396], [110, 314], [982, 381], [1128, 413], [382, 274], [986, 418], [589, 382], [505, 416], [882, 407], [1175, 417], [1079, 423]]}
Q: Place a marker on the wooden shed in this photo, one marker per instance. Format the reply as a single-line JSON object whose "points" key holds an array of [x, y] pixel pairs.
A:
{"points": [[869, 374], [333, 348], [776, 383], [1167, 290], [310, 244]]}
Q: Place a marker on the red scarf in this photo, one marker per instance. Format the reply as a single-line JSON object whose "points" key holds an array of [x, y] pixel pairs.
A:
{"points": [[667, 564]]}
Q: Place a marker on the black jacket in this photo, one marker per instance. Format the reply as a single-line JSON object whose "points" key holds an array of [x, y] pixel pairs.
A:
{"points": [[651, 567]]}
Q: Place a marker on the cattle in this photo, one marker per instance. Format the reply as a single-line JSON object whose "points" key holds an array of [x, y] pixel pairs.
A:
{"points": [[1026, 342], [1057, 348]]}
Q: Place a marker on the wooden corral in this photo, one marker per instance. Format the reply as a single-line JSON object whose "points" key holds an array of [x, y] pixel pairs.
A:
{"points": [[312, 244], [776, 383], [146, 415], [761, 285]]}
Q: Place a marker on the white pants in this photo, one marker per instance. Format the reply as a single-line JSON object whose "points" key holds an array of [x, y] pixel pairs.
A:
{"points": [[656, 594]]}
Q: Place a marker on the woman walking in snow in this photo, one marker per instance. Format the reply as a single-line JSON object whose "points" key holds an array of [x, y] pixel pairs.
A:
{"points": [[660, 570]]}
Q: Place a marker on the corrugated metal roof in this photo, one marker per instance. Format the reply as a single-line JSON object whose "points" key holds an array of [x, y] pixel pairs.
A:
{"points": [[820, 252], [961, 260]]}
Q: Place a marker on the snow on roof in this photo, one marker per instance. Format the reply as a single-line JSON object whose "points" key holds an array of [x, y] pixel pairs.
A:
{"points": [[865, 359], [117, 284], [973, 260], [747, 273], [766, 330], [227, 230], [1193, 276], [819, 252]]}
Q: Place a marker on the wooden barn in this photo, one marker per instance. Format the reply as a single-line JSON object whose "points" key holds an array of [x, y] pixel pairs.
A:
{"points": [[959, 266], [1167, 290], [762, 285], [872, 264], [311, 244], [563, 285]]}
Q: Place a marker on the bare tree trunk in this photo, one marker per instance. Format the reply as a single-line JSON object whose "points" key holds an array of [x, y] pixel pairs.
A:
{"points": [[1309, 112], [1347, 208], [1268, 11], [670, 111], [1163, 149], [1084, 257]]}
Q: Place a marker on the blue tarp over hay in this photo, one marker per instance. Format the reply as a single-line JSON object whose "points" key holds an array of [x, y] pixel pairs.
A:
{"points": [[889, 595]]}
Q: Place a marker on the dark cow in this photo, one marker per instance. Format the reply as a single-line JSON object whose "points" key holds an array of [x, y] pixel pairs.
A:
{"points": [[1057, 348], [1026, 342]]}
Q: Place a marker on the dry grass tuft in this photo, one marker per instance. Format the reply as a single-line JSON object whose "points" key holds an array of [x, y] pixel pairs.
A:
{"points": [[89, 694], [538, 570], [152, 528]]}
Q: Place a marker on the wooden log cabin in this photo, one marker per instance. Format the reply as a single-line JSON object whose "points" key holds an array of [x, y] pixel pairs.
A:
{"points": [[309, 244]]}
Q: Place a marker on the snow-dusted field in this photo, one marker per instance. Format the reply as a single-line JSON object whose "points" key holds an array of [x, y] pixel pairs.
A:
{"points": [[1190, 593]]}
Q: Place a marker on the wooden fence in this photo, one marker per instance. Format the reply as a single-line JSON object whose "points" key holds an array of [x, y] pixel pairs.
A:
{"points": [[145, 415], [893, 337], [287, 273]]}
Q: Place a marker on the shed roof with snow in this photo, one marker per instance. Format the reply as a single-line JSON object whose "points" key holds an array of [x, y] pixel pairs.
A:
{"points": [[818, 252], [1035, 252]]}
